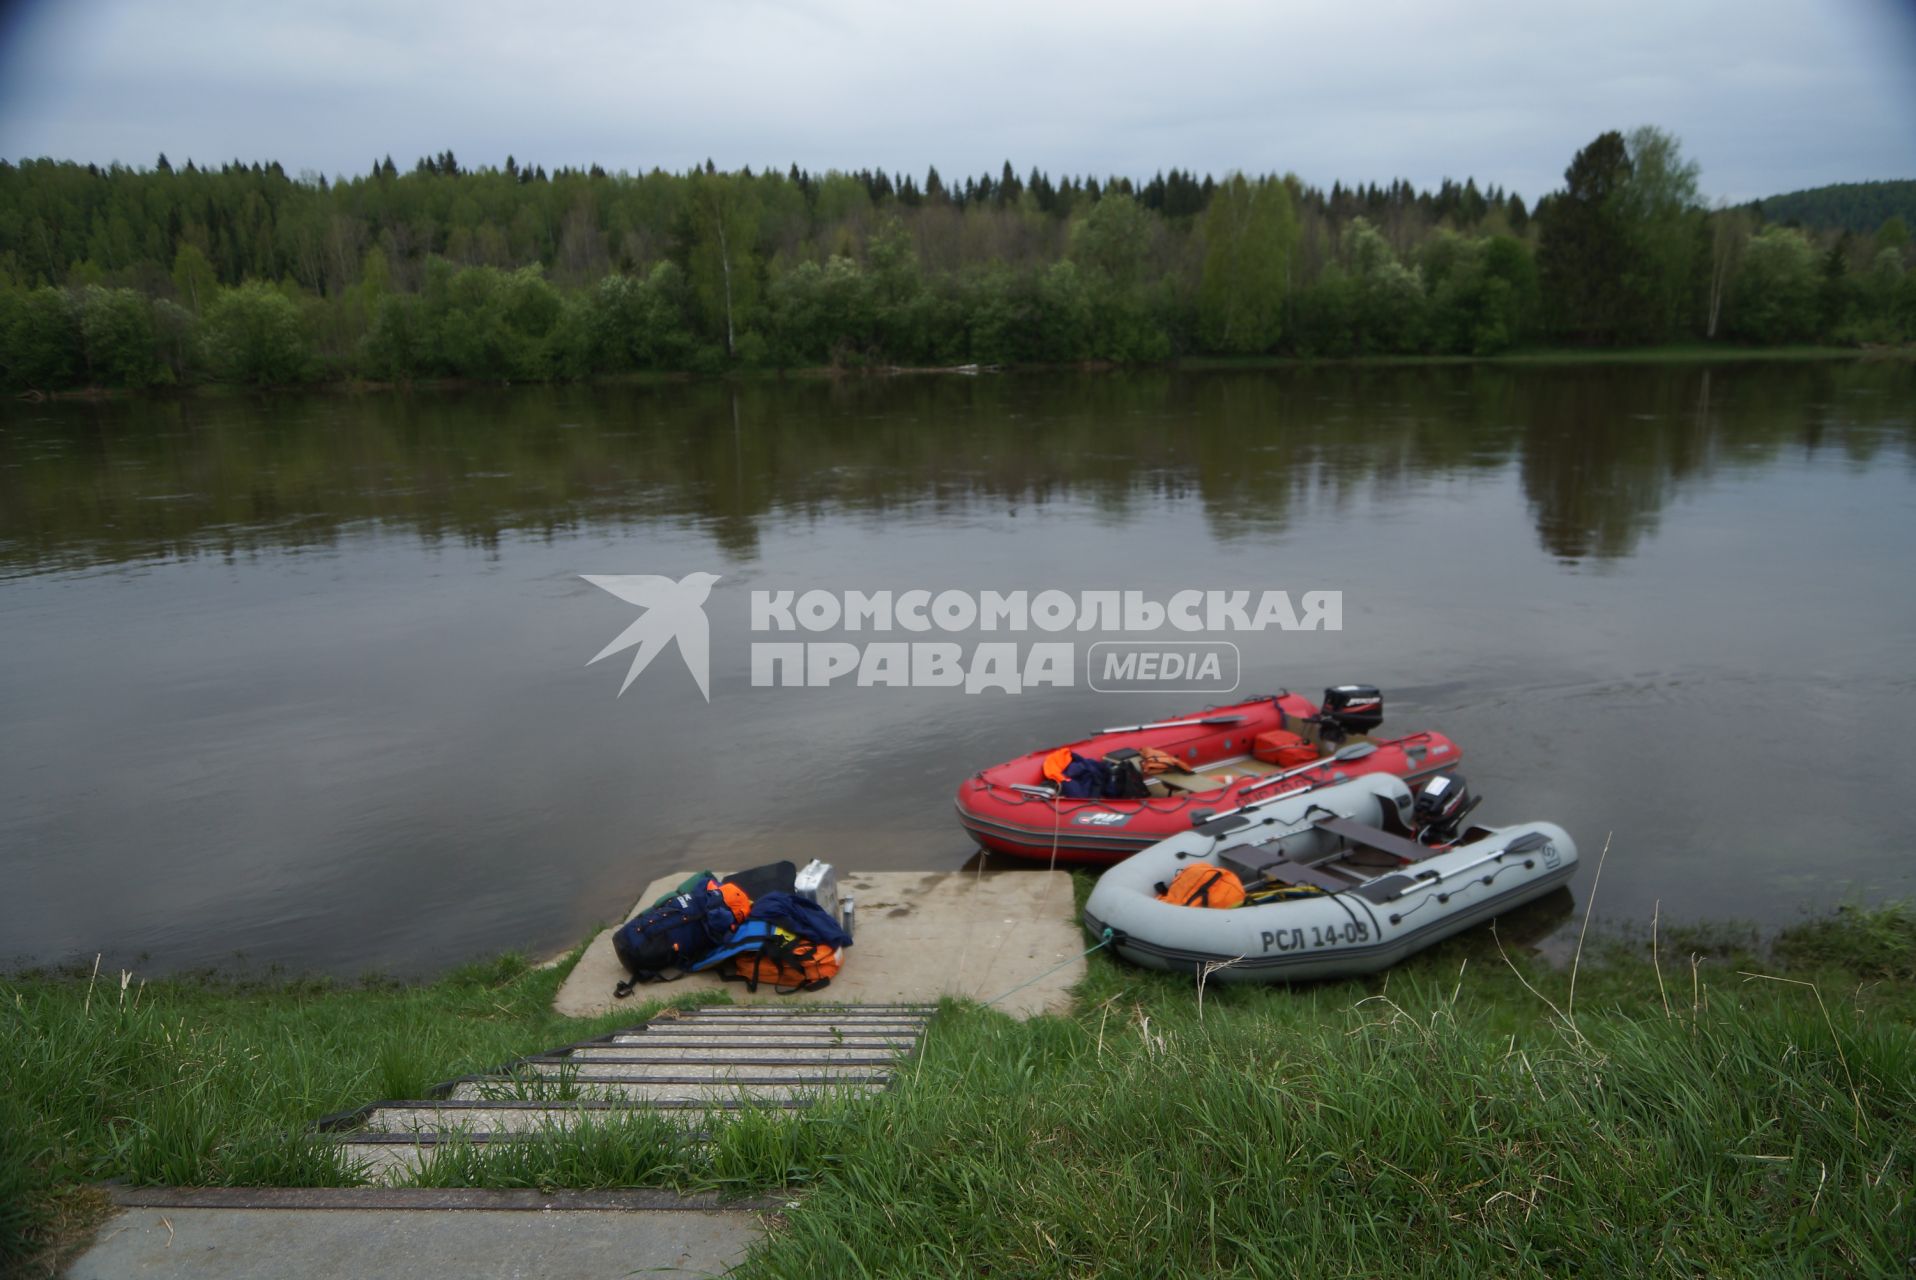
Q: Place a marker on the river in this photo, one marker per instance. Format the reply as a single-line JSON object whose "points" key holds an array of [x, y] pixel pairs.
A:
{"points": [[302, 681]]}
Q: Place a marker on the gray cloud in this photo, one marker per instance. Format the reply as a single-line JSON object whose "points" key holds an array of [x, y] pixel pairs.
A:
{"points": [[1769, 95]]}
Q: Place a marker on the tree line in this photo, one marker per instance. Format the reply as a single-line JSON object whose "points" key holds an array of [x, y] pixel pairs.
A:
{"points": [[124, 277], [1859, 207]]}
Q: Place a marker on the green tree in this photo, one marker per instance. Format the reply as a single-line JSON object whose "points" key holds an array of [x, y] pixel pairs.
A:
{"points": [[1584, 252], [176, 336], [1250, 231], [724, 271], [1729, 232], [116, 332], [254, 335], [1483, 293], [43, 347], [1884, 302], [624, 323], [1114, 239], [1893, 234], [1660, 210], [194, 279], [395, 346], [1776, 289], [1386, 299]]}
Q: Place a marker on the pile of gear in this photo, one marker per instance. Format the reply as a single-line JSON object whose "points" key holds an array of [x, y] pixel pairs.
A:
{"points": [[773, 924]]}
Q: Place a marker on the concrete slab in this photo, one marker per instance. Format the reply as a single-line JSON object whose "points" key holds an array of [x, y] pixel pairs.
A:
{"points": [[476, 1244], [920, 936]]}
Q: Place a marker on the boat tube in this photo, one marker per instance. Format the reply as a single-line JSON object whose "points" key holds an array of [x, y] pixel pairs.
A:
{"points": [[1360, 890], [1009, 808]]}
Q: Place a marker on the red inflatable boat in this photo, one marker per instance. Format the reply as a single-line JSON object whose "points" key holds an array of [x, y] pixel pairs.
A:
{"points": [[1200, 765]]}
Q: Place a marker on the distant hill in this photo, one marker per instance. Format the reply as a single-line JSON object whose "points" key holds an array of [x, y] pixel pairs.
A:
{"points": [[1843, 206]]}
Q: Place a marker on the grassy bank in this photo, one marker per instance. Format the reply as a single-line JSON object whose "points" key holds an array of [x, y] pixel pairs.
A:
{"points": [[1671, 353], [201, 1081], [1666, 353], [1655, 1113]]}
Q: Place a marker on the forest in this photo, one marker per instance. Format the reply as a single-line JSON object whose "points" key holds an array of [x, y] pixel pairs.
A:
{"points": [[123, 277], [1844, 206]]}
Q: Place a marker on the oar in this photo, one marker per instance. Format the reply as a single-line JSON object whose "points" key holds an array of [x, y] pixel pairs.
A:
{"points": [[1355, 751], [1173, 724], [1044, 792]]}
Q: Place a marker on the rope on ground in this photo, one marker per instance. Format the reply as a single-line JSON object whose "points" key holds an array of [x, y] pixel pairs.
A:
{"points": [[1102, 942]]}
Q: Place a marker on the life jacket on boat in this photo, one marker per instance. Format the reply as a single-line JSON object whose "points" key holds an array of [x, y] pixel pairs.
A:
{"points": [[1203, 885], [1057, 763], [1076, 777]]}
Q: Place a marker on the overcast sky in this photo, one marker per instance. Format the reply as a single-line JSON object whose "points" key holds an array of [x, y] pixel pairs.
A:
{"points": [[1768, 95]]}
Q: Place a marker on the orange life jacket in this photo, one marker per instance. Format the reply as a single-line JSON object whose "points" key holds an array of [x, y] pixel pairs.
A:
{"points": [[1056, 763], [1203, 885], [795, 964]]}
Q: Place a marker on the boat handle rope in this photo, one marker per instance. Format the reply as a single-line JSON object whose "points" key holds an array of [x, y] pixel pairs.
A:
{"points": [[1102, 942]]}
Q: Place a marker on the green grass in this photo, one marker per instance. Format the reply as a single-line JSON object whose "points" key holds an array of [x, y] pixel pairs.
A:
{"points": [[1462, 1115], [202, 1081], [1447, 1121]]}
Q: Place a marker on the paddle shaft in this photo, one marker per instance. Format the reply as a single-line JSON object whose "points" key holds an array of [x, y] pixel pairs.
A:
{"points": [[1173, 724]]}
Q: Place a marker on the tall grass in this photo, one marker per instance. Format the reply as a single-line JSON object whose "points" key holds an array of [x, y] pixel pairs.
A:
{"points": [[1448, 1122], [198, 1081], [1448, 1118]]}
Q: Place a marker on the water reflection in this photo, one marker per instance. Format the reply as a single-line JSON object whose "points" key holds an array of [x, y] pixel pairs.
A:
{"points": [[1601, 451]]}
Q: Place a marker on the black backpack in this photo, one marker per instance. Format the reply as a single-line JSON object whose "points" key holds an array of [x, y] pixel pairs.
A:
{"points": [[668, 939], [1124, 781]]}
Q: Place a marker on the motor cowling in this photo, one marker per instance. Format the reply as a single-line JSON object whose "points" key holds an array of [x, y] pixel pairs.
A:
{"points": [[1441, 807], [1354, 708]]}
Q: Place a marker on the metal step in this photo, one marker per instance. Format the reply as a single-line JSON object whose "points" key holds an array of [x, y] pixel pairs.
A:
{"points": [[792, 1015], [771, 1026], [802, 1010], [630, 1092], [496, 1116], [773, 1055], [682, 1067], [680, 1071], [746, 1040]]}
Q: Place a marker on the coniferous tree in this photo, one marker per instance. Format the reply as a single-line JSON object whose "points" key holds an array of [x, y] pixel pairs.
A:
{"points": [[1585, 247]]}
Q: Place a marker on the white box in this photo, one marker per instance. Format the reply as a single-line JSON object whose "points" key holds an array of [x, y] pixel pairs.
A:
{"points": [[819, 882]]}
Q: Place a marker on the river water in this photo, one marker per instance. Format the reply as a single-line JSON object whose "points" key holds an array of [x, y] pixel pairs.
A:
{"points": [[303, 681]]}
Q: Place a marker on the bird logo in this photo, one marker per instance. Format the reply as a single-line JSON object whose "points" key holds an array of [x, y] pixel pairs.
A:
{"points": [[673, 611]]}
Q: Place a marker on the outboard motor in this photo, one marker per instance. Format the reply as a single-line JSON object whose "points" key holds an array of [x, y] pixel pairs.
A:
{"points": [[1441, 808], [1353, 708]]}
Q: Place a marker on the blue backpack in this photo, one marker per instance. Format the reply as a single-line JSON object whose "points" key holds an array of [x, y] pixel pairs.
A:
{"points": [[667, 940]]}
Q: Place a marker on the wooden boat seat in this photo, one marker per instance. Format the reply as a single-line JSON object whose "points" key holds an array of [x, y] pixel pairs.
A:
{"points": [[1238, 862], [1365, 836], [1303, 873], [1178, 780]]}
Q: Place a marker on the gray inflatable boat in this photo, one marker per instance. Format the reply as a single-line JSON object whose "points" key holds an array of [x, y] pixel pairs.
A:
{"points": [[1362, 892]]}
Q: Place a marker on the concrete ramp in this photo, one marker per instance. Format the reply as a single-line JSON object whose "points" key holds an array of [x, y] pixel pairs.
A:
{"points": [[919, 936]]}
